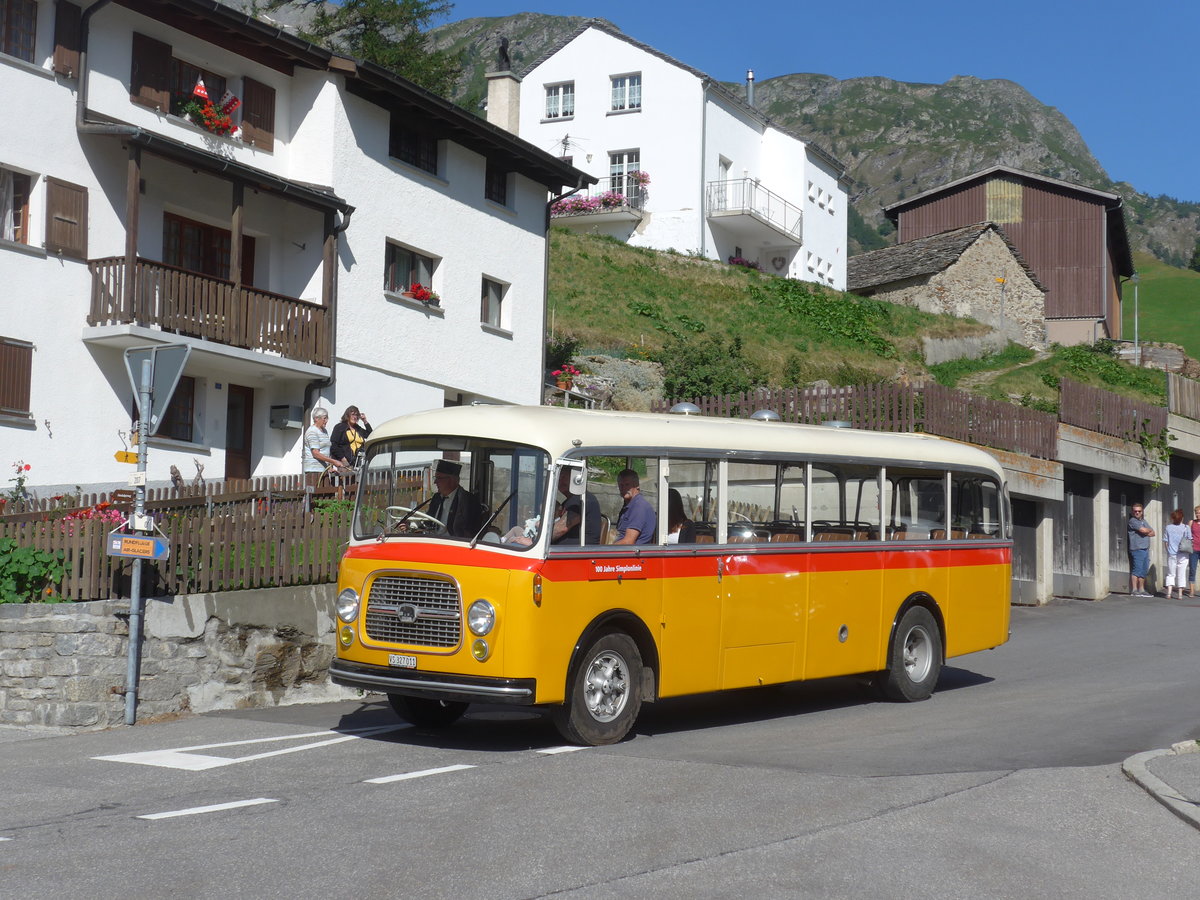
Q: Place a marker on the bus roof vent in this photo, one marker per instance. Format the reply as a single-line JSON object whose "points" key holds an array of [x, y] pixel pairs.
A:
{"points": [[766, 415], [685, 409]]}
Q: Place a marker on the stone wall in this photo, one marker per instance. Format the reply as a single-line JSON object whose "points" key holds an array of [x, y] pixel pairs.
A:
{"points": [[968, 289], [64, 665]]}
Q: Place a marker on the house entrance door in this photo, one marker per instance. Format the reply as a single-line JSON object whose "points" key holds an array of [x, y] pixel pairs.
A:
{"points": [[1121, 494], [239, 431]]}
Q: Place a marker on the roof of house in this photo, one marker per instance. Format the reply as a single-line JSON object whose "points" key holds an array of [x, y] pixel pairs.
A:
{"points": [[710, 83], [1113, 205], [923, 256], [273, 46]]}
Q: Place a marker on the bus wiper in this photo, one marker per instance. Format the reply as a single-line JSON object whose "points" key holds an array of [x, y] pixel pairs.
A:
{"points": [[491, 519]]}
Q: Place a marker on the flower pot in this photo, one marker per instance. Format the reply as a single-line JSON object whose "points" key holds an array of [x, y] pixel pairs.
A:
{"points": [[564, 384]]}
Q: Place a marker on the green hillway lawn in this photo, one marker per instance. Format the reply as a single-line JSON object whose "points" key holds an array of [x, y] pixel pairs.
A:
{"points": [[1168, 304]]}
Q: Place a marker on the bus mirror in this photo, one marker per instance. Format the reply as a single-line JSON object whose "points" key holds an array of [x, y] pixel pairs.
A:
{"points": [[578, 482]]}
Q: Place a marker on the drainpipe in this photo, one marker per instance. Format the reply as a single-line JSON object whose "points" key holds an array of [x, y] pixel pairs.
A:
{"points": [[314, 387], [546, 264], [703, 154], [81, 124]]}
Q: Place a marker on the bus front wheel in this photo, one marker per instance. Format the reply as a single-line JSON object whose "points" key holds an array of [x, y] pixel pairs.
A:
{"points": [[606, 692], [914, 658], [425, 713]]}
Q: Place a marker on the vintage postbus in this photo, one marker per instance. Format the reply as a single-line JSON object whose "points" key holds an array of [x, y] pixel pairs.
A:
{"points": [[485, 565]]}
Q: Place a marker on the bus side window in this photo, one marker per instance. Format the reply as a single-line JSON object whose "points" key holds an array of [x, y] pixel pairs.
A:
{"points": [[975, 504], [918, 504], [603, 475], [751, 501], [689, 480]]}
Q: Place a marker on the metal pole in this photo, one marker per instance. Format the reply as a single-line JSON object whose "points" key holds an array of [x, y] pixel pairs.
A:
{"points": [[139, 511], [1137, 347]]}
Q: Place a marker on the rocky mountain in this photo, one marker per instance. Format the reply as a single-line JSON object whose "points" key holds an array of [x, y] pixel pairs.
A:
{"points": [[896, 139]]}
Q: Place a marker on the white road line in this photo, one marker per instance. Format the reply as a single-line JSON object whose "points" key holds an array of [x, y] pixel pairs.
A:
{"points": [[196, 810], [388, 779], [551, 751], [184, 758], [5, 839]]}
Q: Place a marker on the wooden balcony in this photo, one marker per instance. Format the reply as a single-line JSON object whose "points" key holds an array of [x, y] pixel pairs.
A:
{"points": [[200, 306]]}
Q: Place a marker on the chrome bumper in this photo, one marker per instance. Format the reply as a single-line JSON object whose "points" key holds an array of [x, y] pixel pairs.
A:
{"points": [[434, 685]]}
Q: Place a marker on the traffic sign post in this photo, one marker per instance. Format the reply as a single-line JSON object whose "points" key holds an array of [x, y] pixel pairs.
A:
{"points": [[154, 373]]}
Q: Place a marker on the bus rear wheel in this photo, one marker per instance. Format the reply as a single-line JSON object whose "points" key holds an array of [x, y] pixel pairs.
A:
{"points": [[914, 658], [606, 692], [426, 713]]}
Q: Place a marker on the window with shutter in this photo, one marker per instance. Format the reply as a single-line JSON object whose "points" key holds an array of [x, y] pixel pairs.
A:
{"points": [[16, 373], [66, 219], [66, 38], [150, 74], [258, 114]]}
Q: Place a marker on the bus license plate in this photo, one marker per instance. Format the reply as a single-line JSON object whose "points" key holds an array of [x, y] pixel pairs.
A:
{"points": [[403, 662]]}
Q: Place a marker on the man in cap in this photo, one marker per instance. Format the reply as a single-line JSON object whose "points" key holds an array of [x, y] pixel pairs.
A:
{"points": [[454, 506]]}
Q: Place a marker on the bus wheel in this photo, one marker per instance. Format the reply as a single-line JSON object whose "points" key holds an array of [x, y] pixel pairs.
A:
{"points": [[914, 658], [425, 713], [606, 692]]}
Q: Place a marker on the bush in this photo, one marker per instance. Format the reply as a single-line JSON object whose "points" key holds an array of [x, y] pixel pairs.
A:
{"points": [[561, 349], [710, 367], [28, 575]]}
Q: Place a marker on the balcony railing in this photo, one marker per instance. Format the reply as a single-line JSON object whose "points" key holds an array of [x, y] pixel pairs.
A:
{"points": [[607, 195], [746, 196], [214, 309]]}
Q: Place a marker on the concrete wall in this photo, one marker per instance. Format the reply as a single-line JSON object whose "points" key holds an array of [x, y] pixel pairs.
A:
{"points": [[64, 665]]}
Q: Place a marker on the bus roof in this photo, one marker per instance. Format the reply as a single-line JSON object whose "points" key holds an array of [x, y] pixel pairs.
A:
{"points": [[557, 430]]}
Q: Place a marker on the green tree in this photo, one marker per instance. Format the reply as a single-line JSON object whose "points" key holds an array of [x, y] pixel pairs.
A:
{"points": [[385, 32], [1194, 265]]}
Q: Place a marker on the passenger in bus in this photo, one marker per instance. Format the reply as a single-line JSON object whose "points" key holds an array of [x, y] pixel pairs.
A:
{"points": [[637, 522], [454, 506], [566, 526], [680, 529]]}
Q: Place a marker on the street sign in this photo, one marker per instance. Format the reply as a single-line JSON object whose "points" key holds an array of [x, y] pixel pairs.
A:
{"points": [[138, 547], [166, 365], [125, 456]]}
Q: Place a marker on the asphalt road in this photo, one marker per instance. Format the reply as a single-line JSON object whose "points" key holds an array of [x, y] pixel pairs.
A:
{"points": [[1005, 784]]}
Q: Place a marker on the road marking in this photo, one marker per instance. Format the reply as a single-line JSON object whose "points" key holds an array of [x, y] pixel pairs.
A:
{"points": [[388, 779], [5, 839], [184, 757], [551, 751], [196, 810]]}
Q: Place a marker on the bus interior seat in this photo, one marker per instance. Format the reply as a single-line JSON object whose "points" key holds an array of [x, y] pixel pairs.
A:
{"points": [[786, 537], [604, 529], [705, 539], [831, 535]]}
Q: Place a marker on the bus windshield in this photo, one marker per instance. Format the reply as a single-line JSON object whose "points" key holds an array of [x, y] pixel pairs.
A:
{"points": [[452, 487]]}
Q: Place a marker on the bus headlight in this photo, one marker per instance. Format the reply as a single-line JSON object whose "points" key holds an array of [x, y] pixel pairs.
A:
{"points": [[347, 605], [481, 617]]}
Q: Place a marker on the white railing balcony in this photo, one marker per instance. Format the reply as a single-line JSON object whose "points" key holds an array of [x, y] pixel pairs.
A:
{"points": [[744, 205], [620, 194]]}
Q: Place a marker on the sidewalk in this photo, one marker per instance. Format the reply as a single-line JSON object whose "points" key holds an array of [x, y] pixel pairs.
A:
{"points": [[1172, 777]]}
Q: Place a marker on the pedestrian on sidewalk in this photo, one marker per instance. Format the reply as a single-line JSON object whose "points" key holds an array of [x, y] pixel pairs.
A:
{"points": [[1194, 557], [1140, 533], [1177, 556]]}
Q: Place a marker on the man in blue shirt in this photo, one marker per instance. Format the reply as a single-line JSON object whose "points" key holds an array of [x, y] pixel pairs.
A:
{"points": [[637, 523], [1140, 533]]}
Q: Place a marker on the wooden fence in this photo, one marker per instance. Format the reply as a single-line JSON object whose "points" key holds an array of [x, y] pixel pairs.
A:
{"points": [[225, 551], [1108, 413], [1183, 396], [876, 407], [990, 423]]}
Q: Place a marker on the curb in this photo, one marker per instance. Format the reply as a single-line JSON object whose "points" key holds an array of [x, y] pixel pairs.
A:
{"points": [[1135, 769]]}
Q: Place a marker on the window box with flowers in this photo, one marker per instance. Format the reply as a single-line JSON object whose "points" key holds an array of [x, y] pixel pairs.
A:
{"points": [[422, 294], [204, 114]]}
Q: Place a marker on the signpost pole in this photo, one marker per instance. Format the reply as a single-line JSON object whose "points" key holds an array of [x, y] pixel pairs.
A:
{"points": [[139, 512]]}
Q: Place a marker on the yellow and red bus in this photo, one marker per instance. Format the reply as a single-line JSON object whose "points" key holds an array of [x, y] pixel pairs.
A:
{"points": [[807, 552]]}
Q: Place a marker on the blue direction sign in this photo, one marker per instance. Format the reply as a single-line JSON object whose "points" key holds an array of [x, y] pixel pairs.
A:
{"points": [[138, 546]]}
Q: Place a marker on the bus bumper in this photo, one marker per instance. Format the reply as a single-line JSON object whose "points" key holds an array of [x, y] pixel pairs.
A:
{"points": [[433, 685]]}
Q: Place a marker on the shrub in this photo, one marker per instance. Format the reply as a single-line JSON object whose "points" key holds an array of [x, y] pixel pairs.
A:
{"points": [[561, 349], [707, 368], [28, 575]]}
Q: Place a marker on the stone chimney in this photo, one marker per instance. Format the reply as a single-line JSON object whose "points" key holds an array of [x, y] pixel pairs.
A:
{"points": [[504, 100]]}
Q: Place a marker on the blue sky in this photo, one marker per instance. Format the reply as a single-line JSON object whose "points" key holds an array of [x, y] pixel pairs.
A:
{"points": [[1124, 73]]}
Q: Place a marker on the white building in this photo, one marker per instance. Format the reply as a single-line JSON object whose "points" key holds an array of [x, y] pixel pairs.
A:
{"points": [[724, 180], [278, 252]]}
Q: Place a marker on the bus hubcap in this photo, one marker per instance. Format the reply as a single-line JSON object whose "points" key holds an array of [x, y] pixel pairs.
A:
{"points": [[607, 687]]}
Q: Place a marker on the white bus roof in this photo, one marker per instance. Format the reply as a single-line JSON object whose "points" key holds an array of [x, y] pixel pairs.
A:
{"points": [[558, 430]]}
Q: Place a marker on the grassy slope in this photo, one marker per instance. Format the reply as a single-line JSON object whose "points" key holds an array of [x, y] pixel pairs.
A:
{"points": [[628, 301], [1168, 304]]}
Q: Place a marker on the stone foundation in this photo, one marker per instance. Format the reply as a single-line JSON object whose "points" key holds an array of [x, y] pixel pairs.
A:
{"points": [[64, 665]]}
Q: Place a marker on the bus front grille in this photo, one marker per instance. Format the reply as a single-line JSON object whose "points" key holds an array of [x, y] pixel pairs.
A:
{"points": [[414, 609]]}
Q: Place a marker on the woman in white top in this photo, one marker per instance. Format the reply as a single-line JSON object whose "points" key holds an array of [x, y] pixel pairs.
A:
{"points": [[1177, 562]]}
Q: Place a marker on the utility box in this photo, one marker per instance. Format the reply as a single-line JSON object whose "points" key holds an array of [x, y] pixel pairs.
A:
{"points": [[287, 417]]}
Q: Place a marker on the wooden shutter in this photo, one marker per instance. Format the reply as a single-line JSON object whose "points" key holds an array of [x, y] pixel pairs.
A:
{"points": [[258, 114], [16, 369], [150, 76], [66, 39], [66, 219]]}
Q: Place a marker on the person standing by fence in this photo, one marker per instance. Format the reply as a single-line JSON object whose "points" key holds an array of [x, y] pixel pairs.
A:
{"points": [[1177, 555], [348, 437], [1194, 556], [317, 458], [1140, 533]]}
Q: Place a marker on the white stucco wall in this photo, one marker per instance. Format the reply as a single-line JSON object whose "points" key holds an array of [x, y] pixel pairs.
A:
{"points": [[391, 358]]}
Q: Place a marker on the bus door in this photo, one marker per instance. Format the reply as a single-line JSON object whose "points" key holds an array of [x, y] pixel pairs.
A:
{"points": [[763, 589], [690, 633], [845, 619]]}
